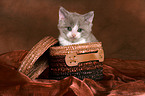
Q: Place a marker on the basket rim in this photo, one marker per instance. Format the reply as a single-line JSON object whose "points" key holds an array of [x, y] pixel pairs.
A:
{"points": [[99, 44]]}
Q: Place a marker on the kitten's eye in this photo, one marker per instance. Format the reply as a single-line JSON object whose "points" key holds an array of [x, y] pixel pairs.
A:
{"points": [[69, 28], [80, 30]]}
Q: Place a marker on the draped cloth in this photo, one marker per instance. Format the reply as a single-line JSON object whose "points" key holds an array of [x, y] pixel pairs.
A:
{"points": [[121, 78]]}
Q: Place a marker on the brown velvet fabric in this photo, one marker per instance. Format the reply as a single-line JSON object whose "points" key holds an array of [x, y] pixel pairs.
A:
{"points": [[121, 77], [119, 24]]}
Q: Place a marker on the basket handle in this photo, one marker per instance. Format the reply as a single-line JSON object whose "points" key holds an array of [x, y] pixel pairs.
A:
{"points": [[73, 59]]}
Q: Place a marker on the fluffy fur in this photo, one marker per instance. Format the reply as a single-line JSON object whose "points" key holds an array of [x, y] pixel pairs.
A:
{"points": [[75, 28]]}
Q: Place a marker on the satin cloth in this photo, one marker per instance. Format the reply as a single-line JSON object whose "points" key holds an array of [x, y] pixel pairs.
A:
{"points": [[121, 78]]}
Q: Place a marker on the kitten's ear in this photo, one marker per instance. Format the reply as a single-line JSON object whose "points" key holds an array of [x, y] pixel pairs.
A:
{"points": [[62, 13], [89, 16]]}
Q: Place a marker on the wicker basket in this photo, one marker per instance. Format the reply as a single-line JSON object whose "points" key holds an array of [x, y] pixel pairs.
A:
{"points": [[79, 60]]}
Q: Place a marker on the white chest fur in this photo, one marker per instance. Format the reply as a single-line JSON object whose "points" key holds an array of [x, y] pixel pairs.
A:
{"points": [[65, 42]]}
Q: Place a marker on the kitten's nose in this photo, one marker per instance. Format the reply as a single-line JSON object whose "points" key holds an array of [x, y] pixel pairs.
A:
{"points": [[73, 35]]}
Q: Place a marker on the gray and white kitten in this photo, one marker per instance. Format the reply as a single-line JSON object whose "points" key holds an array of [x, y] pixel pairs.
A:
{"points": [[75, 28]]}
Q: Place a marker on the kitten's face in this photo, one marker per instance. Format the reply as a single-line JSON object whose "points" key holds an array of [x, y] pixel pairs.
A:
{"points": [[74, 26]]}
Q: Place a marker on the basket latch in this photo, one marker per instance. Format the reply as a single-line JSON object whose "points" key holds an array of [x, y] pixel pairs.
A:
{"points": [[73, 59]]}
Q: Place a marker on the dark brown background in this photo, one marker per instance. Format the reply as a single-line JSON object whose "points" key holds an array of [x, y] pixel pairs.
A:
{"points": [[119, 24]]}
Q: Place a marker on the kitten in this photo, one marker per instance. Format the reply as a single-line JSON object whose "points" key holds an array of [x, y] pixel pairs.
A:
{"points": [[75, 28]]}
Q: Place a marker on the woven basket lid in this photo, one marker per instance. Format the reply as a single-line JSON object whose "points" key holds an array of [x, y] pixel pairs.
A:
{"points": [[36, 61]]}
